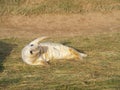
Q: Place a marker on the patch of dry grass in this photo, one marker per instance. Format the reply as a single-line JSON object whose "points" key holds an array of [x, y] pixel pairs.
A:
{"points": [[100, 70], [36, 7]]}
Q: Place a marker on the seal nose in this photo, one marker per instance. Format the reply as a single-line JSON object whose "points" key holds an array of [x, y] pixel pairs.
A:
{"points": [[31, 52]]}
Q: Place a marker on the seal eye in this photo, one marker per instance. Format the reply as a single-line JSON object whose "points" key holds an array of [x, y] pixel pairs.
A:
{"points": [[31, 52], [31, 45]]}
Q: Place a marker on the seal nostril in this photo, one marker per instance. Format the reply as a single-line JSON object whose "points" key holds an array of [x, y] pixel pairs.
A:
{"points": [[31, 52]]}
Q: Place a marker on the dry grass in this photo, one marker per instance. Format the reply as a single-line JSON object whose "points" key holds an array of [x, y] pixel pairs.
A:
{"points": [[36, 7], [71, 22], [100, 70]]}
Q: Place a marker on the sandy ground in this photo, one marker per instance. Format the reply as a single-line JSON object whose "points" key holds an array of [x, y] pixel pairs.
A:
{"points": [[59, 25]]}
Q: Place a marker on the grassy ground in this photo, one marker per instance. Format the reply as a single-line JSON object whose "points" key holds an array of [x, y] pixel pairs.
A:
{"points": [[36, 7], [99, 71], [92, 26]]}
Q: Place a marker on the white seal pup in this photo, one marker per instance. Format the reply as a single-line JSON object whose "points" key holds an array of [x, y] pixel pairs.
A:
{"points": [[37, 53]]}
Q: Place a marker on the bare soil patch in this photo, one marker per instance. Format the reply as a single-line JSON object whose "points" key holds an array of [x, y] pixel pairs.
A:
{"points": [[59, 25]]}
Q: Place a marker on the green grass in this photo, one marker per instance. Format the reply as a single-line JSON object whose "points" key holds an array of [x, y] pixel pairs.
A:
{"points": [[99, 71], [31, 7]]}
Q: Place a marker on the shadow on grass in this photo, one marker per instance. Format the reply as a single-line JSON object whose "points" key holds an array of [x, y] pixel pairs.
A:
{"points": [[67, 44], [5, 49]]}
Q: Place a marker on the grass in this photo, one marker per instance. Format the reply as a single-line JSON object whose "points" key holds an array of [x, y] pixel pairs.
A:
{"points": [[36, 7], [99, 71]]}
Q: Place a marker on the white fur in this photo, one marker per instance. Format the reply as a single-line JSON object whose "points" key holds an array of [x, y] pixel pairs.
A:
{"points": [[36, 53]]}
